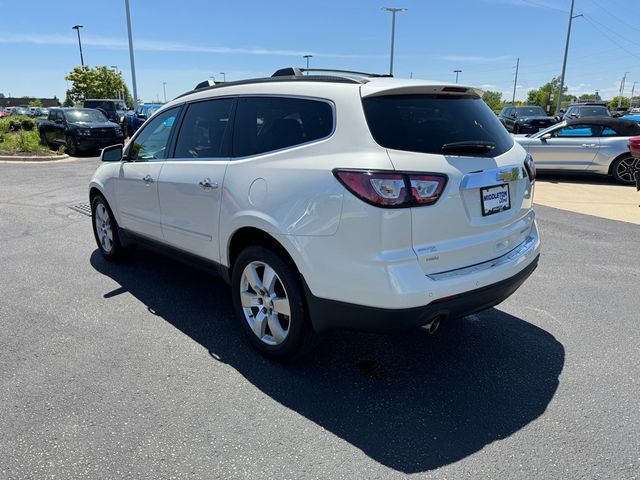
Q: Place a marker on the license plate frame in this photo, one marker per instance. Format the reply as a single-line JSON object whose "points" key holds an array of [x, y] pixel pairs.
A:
{"points": [[495, 207]]}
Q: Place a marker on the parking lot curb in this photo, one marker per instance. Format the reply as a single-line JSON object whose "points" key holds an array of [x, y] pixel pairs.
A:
{"points": [[36, 159]]}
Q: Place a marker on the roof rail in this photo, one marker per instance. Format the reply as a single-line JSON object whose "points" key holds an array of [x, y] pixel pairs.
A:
{"points": [[211, 85], [298, 71]]}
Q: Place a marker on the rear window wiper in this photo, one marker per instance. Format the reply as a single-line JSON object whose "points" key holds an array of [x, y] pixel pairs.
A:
{"points": [[474, 146]]}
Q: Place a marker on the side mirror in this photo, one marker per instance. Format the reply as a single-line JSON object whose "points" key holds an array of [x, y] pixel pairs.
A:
{"points": [[141, 116], [545, 137], [112, 153]]}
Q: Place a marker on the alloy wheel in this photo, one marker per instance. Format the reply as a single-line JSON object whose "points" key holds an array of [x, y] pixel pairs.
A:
{"points": [[103, 228], [627, 168], [265, 303]]}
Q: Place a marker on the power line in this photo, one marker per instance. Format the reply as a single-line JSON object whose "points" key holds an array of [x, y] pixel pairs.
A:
{"points": [[593, 24], [606, 10]]}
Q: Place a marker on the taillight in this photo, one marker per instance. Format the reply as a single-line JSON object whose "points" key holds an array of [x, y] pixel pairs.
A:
{"points": [[392, 189], [530, 166]]}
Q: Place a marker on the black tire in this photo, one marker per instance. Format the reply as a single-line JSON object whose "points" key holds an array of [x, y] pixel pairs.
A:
{"points": [[116, 251], [72, 146], [624, 168], [43, 140], [300, 337]]}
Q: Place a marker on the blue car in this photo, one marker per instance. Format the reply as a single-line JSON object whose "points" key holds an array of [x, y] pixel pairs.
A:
{"points": [[134, 121]]}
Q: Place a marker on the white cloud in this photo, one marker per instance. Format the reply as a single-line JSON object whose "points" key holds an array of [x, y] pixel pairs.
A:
{"points": [[163, 46]]}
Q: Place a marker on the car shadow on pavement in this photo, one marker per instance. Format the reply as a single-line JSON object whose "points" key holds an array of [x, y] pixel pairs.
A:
{"points": [[577, 178], [412, 402]]}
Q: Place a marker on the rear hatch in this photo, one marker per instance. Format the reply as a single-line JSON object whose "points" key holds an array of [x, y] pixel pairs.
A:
{"points": [[484, 209]]}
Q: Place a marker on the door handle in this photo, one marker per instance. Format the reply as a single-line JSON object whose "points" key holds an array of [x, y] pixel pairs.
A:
{"points": [[588, 145], [147, 180], [207, 184]]}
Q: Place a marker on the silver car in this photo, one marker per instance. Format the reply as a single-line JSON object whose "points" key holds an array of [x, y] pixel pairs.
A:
{"points": [[587, 144]]}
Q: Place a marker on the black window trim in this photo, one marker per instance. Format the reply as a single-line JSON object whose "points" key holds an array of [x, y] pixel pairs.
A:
{"points": [[228, 134], [279, 95]]}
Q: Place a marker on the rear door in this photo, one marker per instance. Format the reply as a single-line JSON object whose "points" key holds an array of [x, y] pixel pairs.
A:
{"points": [[483, 212], [572, 147], [190, 184]]}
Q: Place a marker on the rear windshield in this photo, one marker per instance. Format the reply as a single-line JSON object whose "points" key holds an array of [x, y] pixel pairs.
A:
{"points": [[106, 105], [424, 123]]}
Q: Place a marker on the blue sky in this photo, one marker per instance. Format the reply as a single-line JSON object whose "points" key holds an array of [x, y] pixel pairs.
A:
{"points": [[185, 42]]}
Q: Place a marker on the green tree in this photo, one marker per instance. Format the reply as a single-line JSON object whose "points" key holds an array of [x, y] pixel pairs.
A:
{"points": [[613, 103], [493, 99], [547, 96], [97, 82], [589, 96], [35, 102]]}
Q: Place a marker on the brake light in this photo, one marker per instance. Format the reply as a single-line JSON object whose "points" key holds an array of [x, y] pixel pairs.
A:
{"points": [[530, 167], [392, 189]]}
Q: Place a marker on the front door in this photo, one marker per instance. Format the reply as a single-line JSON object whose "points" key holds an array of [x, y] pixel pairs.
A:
{"points": [[191, 183], [572, 147], [137, 184]]}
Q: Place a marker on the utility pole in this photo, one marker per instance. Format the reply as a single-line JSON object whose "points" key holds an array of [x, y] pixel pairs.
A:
{"points": [[624, 79], [164, 90], [77, 29], [133, 65], [393, 32], [515, 82], [457, 72], [566, 52], [633, 89]]}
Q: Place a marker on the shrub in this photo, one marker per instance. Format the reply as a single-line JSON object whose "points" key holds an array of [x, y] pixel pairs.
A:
{"points": [[23, 141], [27, 124]]}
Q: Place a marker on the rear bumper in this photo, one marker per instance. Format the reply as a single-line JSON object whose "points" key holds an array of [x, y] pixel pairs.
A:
{"points": [[330, 314]]}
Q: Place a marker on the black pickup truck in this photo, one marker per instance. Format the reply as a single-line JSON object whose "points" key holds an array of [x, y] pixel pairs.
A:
{"points": [[79, 129]]}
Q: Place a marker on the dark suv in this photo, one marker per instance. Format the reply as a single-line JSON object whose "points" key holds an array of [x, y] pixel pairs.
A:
{"points": [[586, 110], [526, 119], [113, 109]]}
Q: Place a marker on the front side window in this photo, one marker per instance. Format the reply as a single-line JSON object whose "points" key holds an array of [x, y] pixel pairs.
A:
{"points": [[436, 123], [204, 130], [153, 140], [578, 131], [265, 124]]}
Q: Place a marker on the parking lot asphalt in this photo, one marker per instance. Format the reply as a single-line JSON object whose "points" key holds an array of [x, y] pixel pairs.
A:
{"points": [[138, 370]]}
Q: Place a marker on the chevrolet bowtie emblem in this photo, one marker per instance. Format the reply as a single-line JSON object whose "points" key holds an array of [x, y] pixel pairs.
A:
{"points": [[509, 175]]}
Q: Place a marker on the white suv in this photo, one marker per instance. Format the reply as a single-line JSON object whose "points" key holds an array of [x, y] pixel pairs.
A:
{"points": [[341, 201]]}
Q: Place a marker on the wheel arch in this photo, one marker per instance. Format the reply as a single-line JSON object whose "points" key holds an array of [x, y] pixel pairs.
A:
{"points": [[247, 236], [622, 155]]}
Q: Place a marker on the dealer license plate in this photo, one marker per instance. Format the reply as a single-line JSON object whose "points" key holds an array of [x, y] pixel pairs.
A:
{"points": [[495, 199]]}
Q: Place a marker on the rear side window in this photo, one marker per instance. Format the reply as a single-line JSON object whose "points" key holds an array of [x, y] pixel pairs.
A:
{"points": [[264, 124], [204, 131], [425, 123]]}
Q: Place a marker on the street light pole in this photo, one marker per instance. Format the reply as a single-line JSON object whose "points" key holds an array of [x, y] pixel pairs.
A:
{"points": [[566, 52], [115, 69], [164, 90], [224, 76], [307, 57], [457, 72], [77, 29], [133, 65], [393, 32]]}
